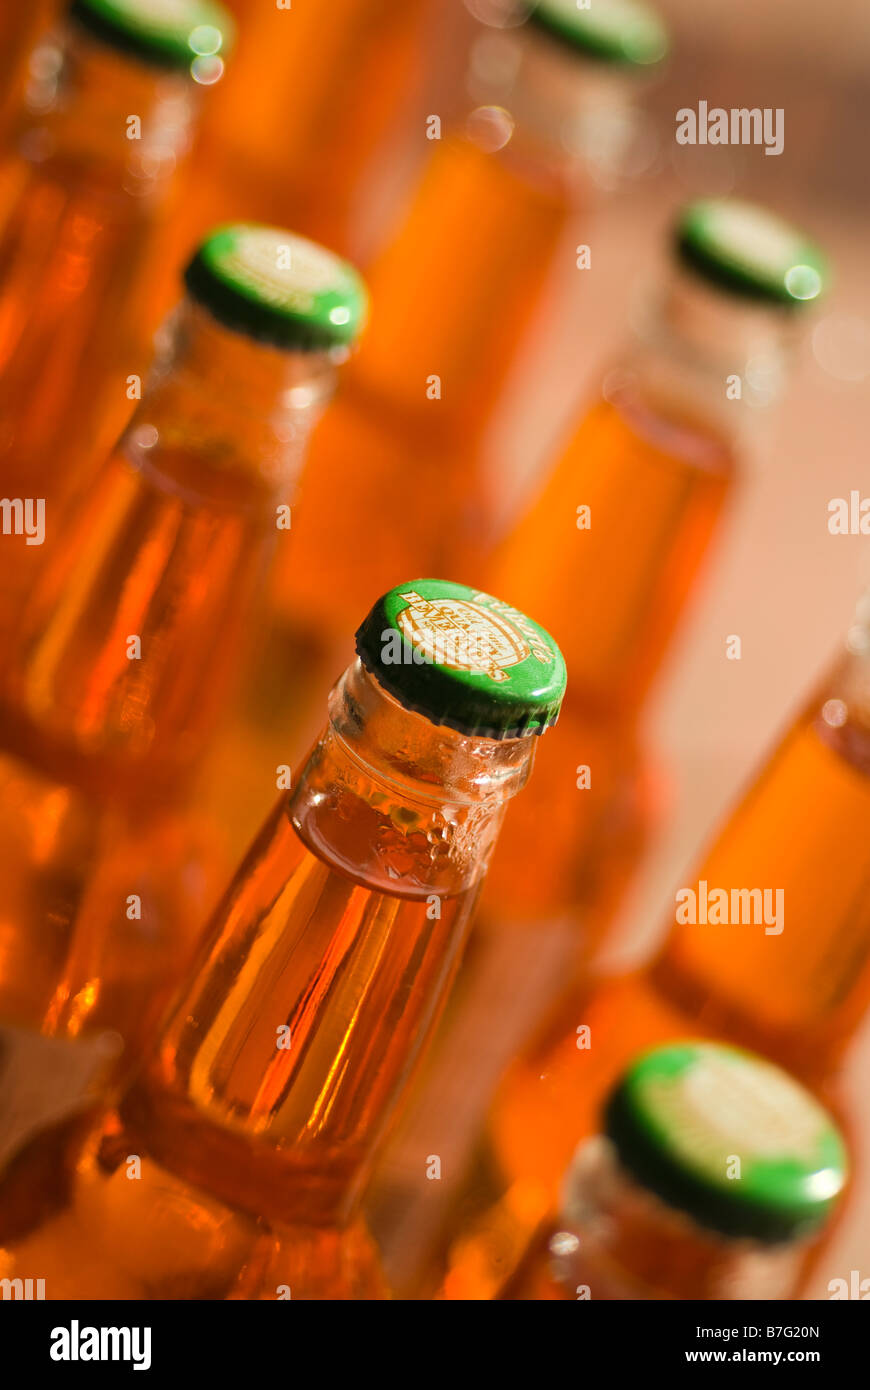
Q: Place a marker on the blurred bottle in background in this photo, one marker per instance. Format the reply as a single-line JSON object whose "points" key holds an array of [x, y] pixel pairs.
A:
{"points": [[393, 486], [612, 547], [128, 646], [312, 96], [391, 482], [611, 551], [768, 946], [111, 102], [321, 975], [714, 1177]]}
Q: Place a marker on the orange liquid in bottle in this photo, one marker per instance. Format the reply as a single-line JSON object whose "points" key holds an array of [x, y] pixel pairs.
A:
{"points": [[118, 667], [20, 28], [386, 482], [323, 976], [612, 594], [86, 726], [654, 484], [143, 561], [80, 211], [307, 100], [390, 477], [124, 654], [796, 995], [293, 72]]}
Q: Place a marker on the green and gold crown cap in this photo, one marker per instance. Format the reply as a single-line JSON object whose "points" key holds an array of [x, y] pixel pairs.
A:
{"points": [[166, 33], [277, 287], [464, 659], [614, 31], [751, 252], [728, 1138]]}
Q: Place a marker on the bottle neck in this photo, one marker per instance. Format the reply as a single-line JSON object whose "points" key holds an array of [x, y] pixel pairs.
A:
{"points": [[422, 804], [328, 962], [127, 646], [223, 417], [570, 115], [707, 358], [456, 291], [622, 1242], [104, 117]]}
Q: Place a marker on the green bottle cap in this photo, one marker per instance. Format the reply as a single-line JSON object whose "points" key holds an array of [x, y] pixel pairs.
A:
{"points": [[464, 659], [277, 287], [166, 33], [746, 249], [729, 1139], [613, 31]]}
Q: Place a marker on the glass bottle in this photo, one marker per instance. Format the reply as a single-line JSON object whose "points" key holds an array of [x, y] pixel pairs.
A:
{"points": [[394, 482], [713, 1178], [611, 551], [323, 971], [128, 646], [626, 519], [788, 975], [111, 104], [390, 485]]}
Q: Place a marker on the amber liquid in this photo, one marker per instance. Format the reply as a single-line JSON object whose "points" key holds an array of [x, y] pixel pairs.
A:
{"points": [[118, 666], [147, 557], [391, 482], [114, 675], [20, 28], [76, 226], [66, 256], [231, 1127], [99, 746], [291, 131], [388, 483], [796, 996], [292, 75], [611, 595], [105, 882]]}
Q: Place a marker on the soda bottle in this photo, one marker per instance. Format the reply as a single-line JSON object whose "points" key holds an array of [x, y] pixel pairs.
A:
{"points": [[648, 473], [111, 106], [625, 520], [322, 972], [126, 648], [713, 1176], [452, 292], [393, 481], [768, 946]]}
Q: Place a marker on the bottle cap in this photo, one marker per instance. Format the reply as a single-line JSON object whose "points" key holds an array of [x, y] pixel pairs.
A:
{"points": [[751, 252], [464, 659], [729, 1139], [613, 31], [166, 33], [277, 287]]}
